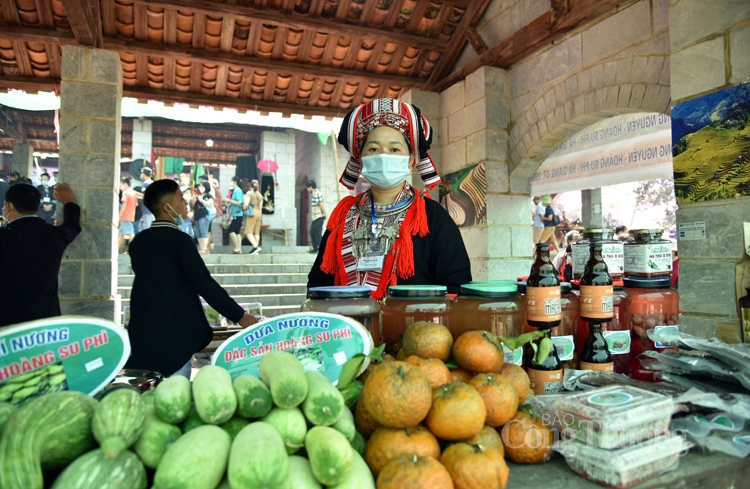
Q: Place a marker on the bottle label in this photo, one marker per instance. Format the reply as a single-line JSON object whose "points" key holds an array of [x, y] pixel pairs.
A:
{"points": [[618, 342], [545, 381], [670, 328], [514, 357], [652, 259], [580, 258], [597, 301], [565, 346], [604, 367], [614, 256], [543, 304], [745, 325]]}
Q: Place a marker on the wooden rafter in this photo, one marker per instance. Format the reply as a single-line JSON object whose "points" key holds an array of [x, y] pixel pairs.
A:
{"points": [[540, 32], [86, 28], [202, 56], [476, 41], [295, 21]]}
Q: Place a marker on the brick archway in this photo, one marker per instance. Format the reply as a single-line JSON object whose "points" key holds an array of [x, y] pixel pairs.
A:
{"points": [[582, 99]]}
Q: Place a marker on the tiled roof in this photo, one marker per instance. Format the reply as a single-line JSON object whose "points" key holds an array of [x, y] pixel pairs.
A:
{"points": [[324, 56]]}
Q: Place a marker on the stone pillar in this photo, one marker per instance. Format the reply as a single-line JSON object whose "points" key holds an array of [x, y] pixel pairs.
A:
{"points": [[591, 208], [22, 160], [709, 52], [89, 161], [142, 144], [473, 128], [280, 147]]}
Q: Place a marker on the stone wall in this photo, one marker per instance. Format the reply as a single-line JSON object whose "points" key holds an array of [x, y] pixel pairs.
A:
{"points": [[616, 64], [710, 51], [280, 147]]}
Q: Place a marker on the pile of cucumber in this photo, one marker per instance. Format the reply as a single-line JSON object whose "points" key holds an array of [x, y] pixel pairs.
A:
{"points": [[288, 429]]}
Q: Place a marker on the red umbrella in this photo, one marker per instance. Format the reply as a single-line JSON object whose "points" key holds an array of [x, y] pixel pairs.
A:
{"points": [[268, 166]]}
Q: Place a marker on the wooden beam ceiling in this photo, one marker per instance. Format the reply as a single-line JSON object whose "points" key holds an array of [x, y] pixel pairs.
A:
{"points": [[275, 17], [86, 27], [212, 57], [563, 17]]}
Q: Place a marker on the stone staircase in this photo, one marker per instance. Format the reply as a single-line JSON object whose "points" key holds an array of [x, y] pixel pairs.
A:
{"points": [[276, 278]]}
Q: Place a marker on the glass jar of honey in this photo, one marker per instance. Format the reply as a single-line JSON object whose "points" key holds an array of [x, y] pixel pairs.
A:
{"points": [[353, 302], [648, 255], [613, 252], [407, 304], [498, 309]]}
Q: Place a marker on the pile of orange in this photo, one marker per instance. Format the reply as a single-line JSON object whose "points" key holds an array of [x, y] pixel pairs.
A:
{"points": [[431, 426]]}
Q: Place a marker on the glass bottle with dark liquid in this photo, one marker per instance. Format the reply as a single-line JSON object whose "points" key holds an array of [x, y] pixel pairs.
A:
{"points": [[596, 354], [543, 366], [597, 301], [543, 293]]}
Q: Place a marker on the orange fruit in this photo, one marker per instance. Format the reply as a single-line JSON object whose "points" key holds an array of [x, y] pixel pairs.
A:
{"points": [[457, 412], [428, 340], [363, 420], [527, 439], [479, 351], [499, 396], [387, 443], [488, 437], [519, 379], [475, 466], [434, 369], [414, 472], [397, 395], [461, 375]]}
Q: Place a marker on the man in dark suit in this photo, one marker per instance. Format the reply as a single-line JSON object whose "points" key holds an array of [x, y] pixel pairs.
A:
{"points": [[30, 254], [167, 323]]}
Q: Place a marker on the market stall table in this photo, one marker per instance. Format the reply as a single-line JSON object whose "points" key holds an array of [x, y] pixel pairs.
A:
{"points": [[696, 471]]}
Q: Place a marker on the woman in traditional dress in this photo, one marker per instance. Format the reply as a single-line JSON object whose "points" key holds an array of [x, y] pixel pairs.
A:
{"points": [[392, 233]]}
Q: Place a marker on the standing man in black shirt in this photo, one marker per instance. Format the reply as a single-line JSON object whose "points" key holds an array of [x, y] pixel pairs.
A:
{"points": [[167, 324]]}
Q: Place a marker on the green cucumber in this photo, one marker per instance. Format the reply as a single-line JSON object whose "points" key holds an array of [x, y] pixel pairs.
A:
{"points": [[234, 425], [192, 421], [291, 425], [95, 470], [345, 424], [359, 443], [213, 395], [359, 478], [253, 397], [156, 438], [172, 399], [6, 411], [330, 454], [118, 421], [285, 377], [301, 475], [197, 460], [258, 459], [148, 397], [50, 431], [324, 402]]}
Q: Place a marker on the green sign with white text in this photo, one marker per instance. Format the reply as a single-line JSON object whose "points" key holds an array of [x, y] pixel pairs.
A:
{"points": [[63, 353]]}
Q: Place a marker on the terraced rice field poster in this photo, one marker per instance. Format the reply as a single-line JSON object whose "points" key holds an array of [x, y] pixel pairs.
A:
{"points": [[464, 195], [711, 146]]}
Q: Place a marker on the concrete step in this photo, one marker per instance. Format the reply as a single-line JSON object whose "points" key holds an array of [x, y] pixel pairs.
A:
{"points": [[268, 300], [249, 268], [289, 250], [261, 258], [247, 278], [247, 289]]}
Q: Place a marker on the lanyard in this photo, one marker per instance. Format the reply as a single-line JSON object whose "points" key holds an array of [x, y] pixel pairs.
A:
{"points": [[372, 216]]}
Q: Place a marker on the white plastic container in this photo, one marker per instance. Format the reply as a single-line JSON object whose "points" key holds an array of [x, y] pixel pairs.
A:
{"points": [[614, 416], [627, 466]]}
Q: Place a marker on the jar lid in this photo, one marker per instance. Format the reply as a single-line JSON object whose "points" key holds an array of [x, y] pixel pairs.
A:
{"points": [[338, 292], [599, 234], [660, 282], [647, 233], [417, 290], [489, 291], [492, 282]]}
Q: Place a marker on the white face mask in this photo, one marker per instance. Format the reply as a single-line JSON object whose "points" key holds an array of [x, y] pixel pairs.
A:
{"points": [[386, 171]]}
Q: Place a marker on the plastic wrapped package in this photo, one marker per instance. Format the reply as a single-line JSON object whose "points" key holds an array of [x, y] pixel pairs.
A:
{"points": [[610, 417], [627, 466]]}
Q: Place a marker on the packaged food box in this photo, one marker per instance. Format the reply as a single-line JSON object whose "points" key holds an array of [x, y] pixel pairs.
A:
{"points": [[614, 416], [627, 466]]}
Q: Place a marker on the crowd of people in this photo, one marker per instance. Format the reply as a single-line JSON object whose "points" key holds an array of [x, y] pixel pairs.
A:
{"points": [[47, 201]]}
